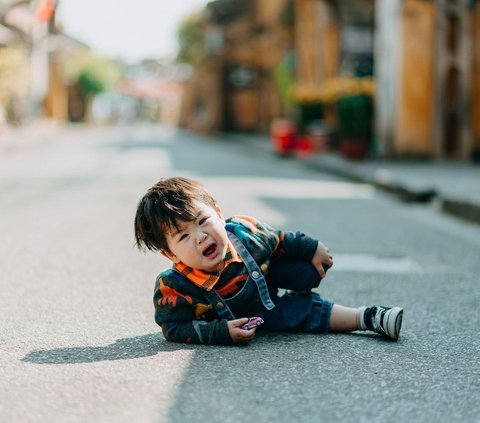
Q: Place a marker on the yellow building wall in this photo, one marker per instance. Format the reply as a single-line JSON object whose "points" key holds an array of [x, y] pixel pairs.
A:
{"points": [[201, 108], [329, 48], [316, 42], [269, 12], [476, 78], [304, 45], [414, 122], [56, 101]]}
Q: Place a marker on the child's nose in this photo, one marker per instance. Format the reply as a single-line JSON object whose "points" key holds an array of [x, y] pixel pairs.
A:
{"points": [[201, 236]]}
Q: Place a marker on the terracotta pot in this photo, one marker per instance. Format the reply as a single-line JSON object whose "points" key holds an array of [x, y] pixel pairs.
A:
{"points": [[353, 148]]}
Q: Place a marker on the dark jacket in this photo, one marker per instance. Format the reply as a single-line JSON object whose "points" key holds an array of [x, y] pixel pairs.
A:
{"points": [[181, 306]]}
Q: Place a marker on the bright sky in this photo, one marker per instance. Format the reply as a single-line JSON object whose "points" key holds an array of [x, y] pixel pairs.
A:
{"points": [[130, 29]]}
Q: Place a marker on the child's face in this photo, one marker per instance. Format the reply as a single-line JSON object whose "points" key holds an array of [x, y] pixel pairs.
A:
{"points": [[202, 243]]}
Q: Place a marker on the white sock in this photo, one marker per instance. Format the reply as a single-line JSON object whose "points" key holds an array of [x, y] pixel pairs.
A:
{"points": [[361, 317]]}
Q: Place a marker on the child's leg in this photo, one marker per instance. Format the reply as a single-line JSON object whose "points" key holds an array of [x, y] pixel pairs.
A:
{"points": [[298, 313], [344, 319], [383, 320], [295, 275], [310, 313]]}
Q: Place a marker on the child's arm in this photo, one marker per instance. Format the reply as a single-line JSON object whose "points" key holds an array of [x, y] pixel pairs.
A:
{"points": [[297, 245], [284, 244], [272, 241], [198, 332], [209, 333]]}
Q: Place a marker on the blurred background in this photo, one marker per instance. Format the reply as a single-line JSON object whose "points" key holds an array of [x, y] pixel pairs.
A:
{"points": [[364, 78]]}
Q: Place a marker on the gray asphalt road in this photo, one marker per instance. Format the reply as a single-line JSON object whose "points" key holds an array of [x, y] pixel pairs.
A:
{"points": [[77, 337]]}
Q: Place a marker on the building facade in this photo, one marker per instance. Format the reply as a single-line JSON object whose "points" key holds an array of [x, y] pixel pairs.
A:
{"points": [[424, 57], [234, 88]]}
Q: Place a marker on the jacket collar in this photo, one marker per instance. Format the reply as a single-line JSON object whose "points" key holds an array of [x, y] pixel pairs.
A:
{"points": [[205, 279]]}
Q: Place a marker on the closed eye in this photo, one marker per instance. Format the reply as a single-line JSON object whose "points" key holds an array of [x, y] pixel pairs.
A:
{"points": [[202, 220], [182, 237]]}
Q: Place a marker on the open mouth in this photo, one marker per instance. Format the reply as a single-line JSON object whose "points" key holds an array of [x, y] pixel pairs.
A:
{"points": [[210, 251]]}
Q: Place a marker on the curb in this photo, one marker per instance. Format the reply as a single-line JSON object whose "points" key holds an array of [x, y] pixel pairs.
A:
{"points": [[461, 209], [464, 210], [336, 166], [381, 181]]}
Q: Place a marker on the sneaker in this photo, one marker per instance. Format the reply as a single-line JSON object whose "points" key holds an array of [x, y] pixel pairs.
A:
{"points": [[384, 320]]}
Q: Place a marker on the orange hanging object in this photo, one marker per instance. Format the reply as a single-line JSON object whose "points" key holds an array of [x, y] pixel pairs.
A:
{"points": [[45, 10]]}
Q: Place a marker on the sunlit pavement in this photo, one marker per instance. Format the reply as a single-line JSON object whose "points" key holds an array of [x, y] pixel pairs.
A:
{"points": [[78, 341]]}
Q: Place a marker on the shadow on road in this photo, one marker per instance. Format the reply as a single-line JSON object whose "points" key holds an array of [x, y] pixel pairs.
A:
{"points": [[121, 349]]}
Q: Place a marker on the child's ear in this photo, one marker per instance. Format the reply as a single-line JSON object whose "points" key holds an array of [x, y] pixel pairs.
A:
{"points": [[219, 211], [168, 255]]}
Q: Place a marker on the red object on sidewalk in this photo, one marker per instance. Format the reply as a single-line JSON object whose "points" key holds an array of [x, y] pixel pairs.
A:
{"points": [[304, 145], [283, 132]]}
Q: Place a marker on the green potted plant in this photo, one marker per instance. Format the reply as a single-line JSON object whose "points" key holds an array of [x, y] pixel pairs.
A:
{"points": [[355, 116]]}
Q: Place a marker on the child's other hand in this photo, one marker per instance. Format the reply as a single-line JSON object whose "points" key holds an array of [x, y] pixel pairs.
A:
{"points": [[239, 335], [322, 257]]}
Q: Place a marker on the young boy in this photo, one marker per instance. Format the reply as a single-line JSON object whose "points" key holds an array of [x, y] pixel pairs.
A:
{"points": [[226, 271]]}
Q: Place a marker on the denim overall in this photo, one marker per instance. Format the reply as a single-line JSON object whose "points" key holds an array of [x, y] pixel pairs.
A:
{"points": [[259, 296]]}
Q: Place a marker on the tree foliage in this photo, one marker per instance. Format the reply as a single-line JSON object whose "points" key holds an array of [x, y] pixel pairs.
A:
{"points": [[191, 39], [92, 73]]}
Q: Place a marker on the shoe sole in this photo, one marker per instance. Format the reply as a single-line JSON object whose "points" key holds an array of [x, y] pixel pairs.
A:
{"points": [[394, 322]]}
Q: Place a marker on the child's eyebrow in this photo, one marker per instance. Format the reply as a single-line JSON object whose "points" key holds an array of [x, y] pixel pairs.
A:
{"points": [[182, 228], [177, 231]]}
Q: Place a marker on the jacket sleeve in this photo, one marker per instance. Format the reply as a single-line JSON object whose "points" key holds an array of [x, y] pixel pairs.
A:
{"points": [[286, 244], [289, 245], [197, 332], [175, 313], [295, 246]]}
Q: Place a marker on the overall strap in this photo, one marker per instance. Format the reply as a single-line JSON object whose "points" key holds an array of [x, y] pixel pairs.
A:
{"points": [[253, 270], [220, 305], [213, 298]]}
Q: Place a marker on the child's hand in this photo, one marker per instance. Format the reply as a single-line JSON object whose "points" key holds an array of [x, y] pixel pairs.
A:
{"points": [[239, 335], [322, 257]]}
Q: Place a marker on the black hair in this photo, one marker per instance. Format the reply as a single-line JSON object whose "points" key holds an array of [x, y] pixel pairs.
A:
{"points": [[165, 204]]}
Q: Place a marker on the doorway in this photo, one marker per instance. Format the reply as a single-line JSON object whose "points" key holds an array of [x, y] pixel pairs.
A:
{"points": [[453, 136]]}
